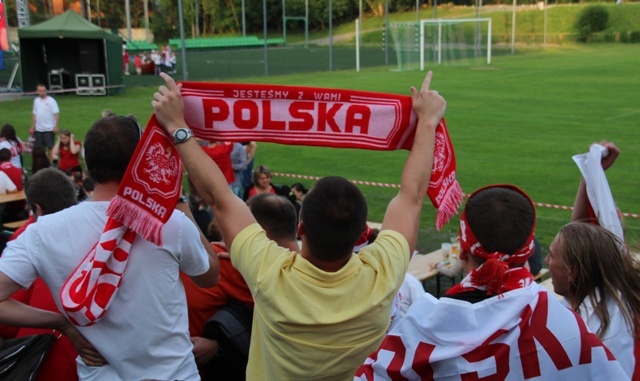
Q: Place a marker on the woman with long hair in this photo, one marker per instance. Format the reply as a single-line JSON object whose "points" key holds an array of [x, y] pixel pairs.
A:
{"points": [[600, 280], [10, 141]]}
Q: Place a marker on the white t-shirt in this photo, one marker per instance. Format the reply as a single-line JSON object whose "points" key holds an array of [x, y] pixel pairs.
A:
{"points": [[45, 111], [6, 185], [15, 151], [144, 334]]}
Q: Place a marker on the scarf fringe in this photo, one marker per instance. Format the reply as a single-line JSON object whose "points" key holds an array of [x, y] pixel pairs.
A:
{"points": [[136, 218], [450, 205]]}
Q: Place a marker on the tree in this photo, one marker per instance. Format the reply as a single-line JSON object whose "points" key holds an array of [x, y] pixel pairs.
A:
{"points": [[591, 20]]}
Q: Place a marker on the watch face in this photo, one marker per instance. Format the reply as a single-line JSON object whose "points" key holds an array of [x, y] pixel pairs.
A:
{"points": [[181, 134]]}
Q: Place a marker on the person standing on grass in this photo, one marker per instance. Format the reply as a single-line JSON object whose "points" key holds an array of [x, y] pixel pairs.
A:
{"points": [[45, 120], [239, 163], [320, 312], [137, 62]]}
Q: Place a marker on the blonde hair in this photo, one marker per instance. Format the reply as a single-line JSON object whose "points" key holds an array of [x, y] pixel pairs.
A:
{"points": [[603, 268]]}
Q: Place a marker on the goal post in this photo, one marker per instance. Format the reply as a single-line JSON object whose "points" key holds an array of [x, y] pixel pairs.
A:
{"points": [[441, 39]]}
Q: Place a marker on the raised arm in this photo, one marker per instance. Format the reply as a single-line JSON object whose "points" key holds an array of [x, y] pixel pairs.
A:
{"points": [[230, 211], [403, 212], [73, 147], [581, 204]]}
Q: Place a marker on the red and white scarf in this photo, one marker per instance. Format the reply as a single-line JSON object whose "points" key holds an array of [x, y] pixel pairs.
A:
{"points": [[495, 275], [240, 112], [145, 200], [296, 115]]}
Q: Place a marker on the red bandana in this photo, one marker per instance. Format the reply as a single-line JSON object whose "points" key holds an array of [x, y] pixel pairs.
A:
{"points": [[146, 198], [495, 275]]}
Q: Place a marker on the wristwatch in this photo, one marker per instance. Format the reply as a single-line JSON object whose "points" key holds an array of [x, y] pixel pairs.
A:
{"points": [[181, 135]]}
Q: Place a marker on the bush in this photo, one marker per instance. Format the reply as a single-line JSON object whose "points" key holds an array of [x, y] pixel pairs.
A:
{"points": [[634, 36], [592, 19]]}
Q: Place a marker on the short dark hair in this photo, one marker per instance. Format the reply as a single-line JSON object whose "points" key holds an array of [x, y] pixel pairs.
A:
{"points": [[51, 189], [5, 155], [334, 214], [500, 218], [275, 214], [109, 146], [299, 187]]}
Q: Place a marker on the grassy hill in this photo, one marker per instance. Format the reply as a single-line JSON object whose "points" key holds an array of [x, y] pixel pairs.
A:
{"points": [[623, 18]]}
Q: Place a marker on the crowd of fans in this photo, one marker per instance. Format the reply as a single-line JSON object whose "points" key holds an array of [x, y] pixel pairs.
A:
{"points": [[283, 282]]}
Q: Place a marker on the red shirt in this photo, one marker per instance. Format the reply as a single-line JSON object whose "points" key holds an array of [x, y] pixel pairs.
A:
{"points": [[203, 303], [14, 173], [254, 191], [60, 362], [68, 160], [221, 154]]}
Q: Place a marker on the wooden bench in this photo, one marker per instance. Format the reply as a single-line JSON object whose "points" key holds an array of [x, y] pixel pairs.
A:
{"points": [[15, 225]]}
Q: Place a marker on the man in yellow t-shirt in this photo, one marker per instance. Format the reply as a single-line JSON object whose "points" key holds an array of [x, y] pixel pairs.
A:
{"points": [[319, 313]]}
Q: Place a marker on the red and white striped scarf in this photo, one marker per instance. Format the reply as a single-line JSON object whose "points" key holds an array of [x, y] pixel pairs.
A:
{"points": [[145, 200]]}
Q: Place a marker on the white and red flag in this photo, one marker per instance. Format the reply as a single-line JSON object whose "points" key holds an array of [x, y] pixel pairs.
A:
{"points": [[522, 334]]}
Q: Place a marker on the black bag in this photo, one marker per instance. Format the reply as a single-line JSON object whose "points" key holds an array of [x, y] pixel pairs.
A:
{"points": [[21, 358], [231, 327]]}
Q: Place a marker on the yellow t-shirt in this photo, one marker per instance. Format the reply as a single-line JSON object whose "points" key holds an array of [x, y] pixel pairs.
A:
{"points": [[309, 324]]}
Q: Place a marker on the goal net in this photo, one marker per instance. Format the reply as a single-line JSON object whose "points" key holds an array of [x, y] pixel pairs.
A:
{"points": [[441, 41], [455, 41], [405, 40]]}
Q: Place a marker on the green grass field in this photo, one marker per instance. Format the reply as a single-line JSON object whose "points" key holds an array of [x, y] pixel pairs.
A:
{"points": [[518, 120]]}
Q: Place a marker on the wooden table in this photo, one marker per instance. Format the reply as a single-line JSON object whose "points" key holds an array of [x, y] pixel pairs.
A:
{"points": [[421, 267], [10, 197]]}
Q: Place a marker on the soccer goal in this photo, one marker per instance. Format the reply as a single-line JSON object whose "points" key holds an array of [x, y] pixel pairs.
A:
{"points": [[454, 41]]}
